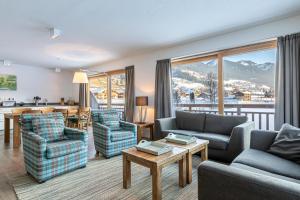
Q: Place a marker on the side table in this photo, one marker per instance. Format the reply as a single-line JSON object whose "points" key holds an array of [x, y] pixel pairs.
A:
{"points": [[141, 127]]}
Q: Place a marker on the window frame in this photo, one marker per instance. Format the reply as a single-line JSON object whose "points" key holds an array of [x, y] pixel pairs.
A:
{"points": [[219, 55]]}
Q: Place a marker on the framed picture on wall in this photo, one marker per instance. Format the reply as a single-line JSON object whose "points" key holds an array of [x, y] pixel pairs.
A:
{"points": [[8, 82]]}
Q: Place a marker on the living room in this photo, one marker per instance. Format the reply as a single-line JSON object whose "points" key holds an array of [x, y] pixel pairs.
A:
{"points": [[150, 99]]}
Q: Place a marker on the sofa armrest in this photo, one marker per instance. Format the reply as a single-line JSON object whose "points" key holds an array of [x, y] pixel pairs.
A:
{"points": [[240, 138], [166, 123], [76, 134], [262, 140], [234, 183], [128, 126], [34, 144]]}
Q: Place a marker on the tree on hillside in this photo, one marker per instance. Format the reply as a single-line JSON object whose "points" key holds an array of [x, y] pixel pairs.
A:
{"points": [[211, 85]]}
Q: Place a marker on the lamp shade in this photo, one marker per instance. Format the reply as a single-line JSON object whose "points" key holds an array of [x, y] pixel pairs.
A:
{"points": [[80, 77], [141, 101]]}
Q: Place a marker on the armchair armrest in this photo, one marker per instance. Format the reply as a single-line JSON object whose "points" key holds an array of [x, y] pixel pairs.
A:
{"points": [[262, 139], [76, 134], [235, 183], [128, 126], [34, 144], [101, 131], [240, 138]]}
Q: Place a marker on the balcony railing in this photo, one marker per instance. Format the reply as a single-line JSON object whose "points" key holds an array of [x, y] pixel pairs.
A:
{"points": [[261, 114]]}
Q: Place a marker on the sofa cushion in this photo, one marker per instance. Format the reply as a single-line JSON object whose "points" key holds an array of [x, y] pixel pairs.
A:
{"points": [[222, 124], [49, 129], [216, 141], [190, 121], [121, 135], [268, 162], [63, 147], [287, 143]]}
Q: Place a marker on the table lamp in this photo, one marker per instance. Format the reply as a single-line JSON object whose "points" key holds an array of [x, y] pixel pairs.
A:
{"points": [[141, 102]]}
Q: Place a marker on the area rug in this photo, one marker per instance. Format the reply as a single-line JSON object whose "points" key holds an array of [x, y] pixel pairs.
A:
{"points": [[102, 179]]}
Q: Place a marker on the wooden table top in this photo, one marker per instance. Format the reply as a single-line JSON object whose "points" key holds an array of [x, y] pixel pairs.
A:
{"points": [[159, 160], [144, 124], [197, 144]]}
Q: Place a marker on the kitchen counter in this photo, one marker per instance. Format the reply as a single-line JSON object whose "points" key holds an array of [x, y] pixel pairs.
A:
{"points": [[33, 105]]}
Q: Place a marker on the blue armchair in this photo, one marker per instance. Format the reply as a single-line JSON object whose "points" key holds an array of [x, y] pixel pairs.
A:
{"points": [[111, 135], [51, 149]]}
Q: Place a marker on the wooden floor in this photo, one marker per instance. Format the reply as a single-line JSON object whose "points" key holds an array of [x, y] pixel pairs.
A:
{"points": [[12, 165]]}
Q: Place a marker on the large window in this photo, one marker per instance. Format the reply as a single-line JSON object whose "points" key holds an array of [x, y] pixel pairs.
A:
{"points": [[108, 89], [237, 81], [195, 82]]}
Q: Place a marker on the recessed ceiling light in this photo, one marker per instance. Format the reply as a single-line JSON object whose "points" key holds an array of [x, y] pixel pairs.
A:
{"points": [[55, 33]]}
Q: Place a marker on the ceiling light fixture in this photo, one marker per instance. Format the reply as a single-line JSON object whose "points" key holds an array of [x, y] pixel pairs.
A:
{"points": [[55, 33]]}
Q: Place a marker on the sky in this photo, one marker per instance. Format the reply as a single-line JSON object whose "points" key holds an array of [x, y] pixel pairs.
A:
{"points": [[257, 56]]}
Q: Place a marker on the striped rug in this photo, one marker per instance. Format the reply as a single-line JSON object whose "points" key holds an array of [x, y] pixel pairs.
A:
{"points": [[102, 179]]}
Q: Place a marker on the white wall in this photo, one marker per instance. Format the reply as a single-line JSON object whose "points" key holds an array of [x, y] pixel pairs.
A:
{"points": [[37, 81], [145, 64]]}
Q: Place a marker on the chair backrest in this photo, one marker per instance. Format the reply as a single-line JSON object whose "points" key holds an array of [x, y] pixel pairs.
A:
{"points": [[73, 112], [26, 119], [84, 113], [32, 112], [47, 110], [105, 115]]}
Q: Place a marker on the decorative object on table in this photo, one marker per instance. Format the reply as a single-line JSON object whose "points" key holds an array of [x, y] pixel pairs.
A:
{"points": [[180, 139], [140, 130], [36, 100], [8, 82], [21, 103], [155, 148], [46, 101], [62, 101], [141, 102], [71, 102], [62, 149], [112, 135]]}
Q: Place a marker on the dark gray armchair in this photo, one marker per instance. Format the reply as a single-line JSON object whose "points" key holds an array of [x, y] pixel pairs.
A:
{"points": [[254, 175]]}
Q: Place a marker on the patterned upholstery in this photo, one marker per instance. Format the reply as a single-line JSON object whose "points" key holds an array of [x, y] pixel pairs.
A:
{"points": [[50, 129], [107, 141], [44, 160]]}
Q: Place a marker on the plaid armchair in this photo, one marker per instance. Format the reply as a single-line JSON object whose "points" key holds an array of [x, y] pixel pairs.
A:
{"points": [[111, 135], [47, 155]]}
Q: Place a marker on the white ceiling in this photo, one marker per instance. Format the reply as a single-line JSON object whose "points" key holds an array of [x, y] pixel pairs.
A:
{"points": [[97, 31]]}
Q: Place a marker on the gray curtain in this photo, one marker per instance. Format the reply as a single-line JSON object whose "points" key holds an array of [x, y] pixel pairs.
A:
{"points": [[129, 93], [287, 89], [163, 102], [83, 95]]}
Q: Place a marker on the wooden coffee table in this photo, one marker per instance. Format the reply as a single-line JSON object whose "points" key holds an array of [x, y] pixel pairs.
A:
{"points": [[155, 164], [198, 146]]}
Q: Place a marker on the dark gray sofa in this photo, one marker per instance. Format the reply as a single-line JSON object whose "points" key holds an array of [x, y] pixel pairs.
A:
{"points": [[228, 135], [254, 175]]}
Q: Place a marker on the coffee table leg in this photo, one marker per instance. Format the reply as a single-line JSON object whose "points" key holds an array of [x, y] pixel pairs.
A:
{"points": [[156, 183], [189, 169], [182, 172], [126, 172], [204, 155]]}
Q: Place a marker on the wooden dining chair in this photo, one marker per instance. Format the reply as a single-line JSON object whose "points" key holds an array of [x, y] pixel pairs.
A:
{"points": [[47, 110], [72, 117], [84, 118], [64, 112]]}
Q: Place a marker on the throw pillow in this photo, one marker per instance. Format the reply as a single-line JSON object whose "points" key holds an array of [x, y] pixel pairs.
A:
{"points": [[49, 129], [113, 125], [287, 143]]}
